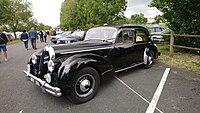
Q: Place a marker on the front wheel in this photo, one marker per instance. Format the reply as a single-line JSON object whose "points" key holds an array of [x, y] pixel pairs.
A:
{"points": [[150, 59], [84, 85]]}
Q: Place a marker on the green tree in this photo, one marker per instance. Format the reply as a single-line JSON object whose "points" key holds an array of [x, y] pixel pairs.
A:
{"points": [[138, 19], [122, 21], [4, 28], [183, 17], [68, 14], [83, 14], [4, 11], [41, 26], [160, 19], [31, 22], [15, 12]]}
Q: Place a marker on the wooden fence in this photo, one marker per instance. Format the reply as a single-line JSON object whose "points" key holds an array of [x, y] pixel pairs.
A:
{"points": [[172, 35]]}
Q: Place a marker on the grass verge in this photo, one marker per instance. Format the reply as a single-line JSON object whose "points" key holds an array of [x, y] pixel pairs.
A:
{"points": [[182, 60]]}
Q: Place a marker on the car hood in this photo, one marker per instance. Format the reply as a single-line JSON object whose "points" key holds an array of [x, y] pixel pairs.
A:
{"points": [[67, 38], [57, 36], [87, 45]]}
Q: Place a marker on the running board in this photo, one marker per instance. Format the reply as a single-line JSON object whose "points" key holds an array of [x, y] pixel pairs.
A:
{"points": [[129, 67]]}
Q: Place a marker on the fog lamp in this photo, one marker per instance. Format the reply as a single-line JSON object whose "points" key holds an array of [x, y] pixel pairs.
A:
{"points": [[50, 65], [47, 77]]}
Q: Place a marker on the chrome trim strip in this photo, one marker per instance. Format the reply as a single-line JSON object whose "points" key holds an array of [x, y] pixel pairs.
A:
{"points": [[84, 50], [44, 85], [129, 67]]}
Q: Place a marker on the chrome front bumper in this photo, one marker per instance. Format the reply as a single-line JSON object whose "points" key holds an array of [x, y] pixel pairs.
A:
{"points": [[43, 85]]}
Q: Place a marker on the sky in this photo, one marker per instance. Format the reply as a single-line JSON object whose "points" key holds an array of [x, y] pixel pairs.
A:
{"points": [[141, 6], [48, 11]]}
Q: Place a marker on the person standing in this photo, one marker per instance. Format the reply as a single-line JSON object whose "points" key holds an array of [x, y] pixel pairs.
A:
{"points": [[48, 38], [41, 36], [45, 36], [32, 34], [24, 38], [3, 43]]}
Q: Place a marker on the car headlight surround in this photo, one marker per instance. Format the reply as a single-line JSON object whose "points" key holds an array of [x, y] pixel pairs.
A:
{"points": [[34, 59], [51, 65]]}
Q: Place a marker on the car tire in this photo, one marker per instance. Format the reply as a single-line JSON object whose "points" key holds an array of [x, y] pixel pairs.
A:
{"points": [[150, 59], [84, 85]]}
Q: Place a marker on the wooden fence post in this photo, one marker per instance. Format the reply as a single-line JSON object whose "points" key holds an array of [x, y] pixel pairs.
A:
{"points": [[171, 43]]}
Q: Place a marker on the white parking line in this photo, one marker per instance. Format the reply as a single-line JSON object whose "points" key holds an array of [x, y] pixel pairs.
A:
{"points": [[154, 101], [21, 111], [136, 93]]}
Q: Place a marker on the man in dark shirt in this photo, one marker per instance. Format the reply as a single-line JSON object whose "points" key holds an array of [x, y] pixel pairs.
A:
{"points": [[24, 38]]}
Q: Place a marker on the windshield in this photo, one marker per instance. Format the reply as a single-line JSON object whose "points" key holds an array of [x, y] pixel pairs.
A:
{"points": [[78, 33], [101, 33], [66, 33], [156, 29]]}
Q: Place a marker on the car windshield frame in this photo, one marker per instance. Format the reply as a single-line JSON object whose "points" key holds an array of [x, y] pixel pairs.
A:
{"points": [[102, 33], [156, 29], [65, 33], [78, 33]]}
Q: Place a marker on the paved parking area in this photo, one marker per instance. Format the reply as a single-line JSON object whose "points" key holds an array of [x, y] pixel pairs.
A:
{"points": [[130, 91]]}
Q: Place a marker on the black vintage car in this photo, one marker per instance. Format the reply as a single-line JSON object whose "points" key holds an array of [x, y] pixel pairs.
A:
{"points": [[76, 69]]}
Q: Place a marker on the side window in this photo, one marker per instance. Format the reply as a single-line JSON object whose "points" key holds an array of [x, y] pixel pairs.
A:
{"points": [[141, 36], [125, 36]]}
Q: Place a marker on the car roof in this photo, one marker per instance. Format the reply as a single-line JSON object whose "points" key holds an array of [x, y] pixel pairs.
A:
{"points": [[124, 26], [156, 27]]}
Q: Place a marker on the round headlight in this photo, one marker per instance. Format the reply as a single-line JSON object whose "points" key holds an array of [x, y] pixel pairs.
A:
{"points": [[50, 65], [47, 77], [34, 59]]}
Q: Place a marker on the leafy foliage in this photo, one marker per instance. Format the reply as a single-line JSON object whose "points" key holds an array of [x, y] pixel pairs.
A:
{"points": [[83, 14], [160, 19], [138, 19], [14, 12], [19, 13], [68, 15], [4, 11], [183, 17], [16, 15]]}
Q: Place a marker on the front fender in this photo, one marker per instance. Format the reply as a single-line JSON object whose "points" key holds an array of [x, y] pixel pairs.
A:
{"points": [[76, 62]]}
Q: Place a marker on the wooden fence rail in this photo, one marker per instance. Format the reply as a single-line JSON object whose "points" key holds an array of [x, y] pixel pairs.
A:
{"points": [[172, 35]]}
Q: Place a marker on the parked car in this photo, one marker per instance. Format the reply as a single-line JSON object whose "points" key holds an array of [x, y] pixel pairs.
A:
{"points": [[74, 37], [76, 69], [157, 38], [59, 35], [166, 31], [18, 34], [9, 36]]}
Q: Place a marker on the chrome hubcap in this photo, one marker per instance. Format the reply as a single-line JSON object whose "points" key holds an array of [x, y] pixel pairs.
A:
{"points": [[150, 60], [85, 85]]}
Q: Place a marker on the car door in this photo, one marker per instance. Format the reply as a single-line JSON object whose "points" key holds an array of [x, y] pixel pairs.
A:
{"points": [[123, 49], [142, 41]]}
